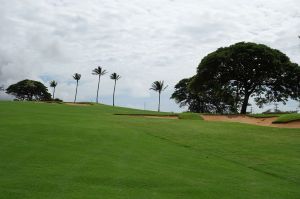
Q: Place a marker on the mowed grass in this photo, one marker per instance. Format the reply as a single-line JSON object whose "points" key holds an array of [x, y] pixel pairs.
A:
{"points": [[288, 118], [190, 116], [282, 118], [58, 151], [263, 115]]}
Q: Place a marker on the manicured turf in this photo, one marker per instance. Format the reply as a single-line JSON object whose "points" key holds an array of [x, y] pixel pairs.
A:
{"points": [[262, 115], [55, 151], [287, 118], [190, 116]]}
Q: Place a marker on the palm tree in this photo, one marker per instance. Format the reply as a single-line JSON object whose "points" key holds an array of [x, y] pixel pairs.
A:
{"points": [[53, 84], [158, 86], [98, 71], [77, 77], [115, 77]]}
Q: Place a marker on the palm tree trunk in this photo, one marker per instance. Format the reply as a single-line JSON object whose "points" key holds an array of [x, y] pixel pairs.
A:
{"points": [[114, 92], [76, 91], [159, 102], [98, 90], [53, 92]]}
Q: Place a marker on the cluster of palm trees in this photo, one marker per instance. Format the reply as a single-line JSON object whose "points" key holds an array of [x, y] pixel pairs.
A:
{"points": [[157, 86], [99, 71]]}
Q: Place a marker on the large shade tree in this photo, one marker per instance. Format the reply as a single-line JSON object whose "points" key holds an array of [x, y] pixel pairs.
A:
{"points": [[250, 70], [77, 77], [115, 77], [158, 86], [99, 71], [29, 90], [206, 100]]}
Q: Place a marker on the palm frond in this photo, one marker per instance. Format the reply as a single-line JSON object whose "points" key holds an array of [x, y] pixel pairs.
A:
{"points": [[115, 76], [158, 86], [77, 76], [53, 83], [99, 71]]}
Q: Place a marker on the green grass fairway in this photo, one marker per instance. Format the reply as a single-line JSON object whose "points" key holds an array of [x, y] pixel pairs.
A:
{"points": [[288, 118], [190, 116], [58, 151], [262, 115]]}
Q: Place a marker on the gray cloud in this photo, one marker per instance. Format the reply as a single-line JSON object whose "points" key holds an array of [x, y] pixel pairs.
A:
{"points": [[142, 40]]}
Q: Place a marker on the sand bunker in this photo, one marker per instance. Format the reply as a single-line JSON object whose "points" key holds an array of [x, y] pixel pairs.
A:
{"points": [[251, 120]]}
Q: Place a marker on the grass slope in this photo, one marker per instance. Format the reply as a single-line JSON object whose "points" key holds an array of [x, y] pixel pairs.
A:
{"points": [[190, 116], [262, 115], [58, 151], [288, 118]]}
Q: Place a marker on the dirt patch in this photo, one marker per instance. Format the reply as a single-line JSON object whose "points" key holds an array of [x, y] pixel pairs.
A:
{"points": [[251, 120], [77, 104]]}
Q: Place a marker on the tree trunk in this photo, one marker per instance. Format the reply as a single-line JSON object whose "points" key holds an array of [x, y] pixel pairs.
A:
{"points": [[245, 103], [114, 92], [159, 102], [30, 96], [76, 91], [98, 90], [53, 93]]}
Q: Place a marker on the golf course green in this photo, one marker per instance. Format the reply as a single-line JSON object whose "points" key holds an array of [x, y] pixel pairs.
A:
{"points": [[58, 151]]}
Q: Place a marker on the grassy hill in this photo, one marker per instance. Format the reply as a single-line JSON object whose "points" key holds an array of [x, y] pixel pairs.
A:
{"points": [[288, 118], [60, 151]]}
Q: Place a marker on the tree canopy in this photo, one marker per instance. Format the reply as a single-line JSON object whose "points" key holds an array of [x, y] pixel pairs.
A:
{"points": [[209, 101], [115, 76], [53, 84], [29, 90], [248, 70]]}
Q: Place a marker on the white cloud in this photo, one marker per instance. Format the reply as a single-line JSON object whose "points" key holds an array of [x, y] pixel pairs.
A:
{"points": [[142, 40]]}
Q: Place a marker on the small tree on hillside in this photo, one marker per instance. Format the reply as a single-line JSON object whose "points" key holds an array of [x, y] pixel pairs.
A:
{"points": [[53, 84], [158, 86], [29, 90], [77, 77], [114, 77], [100, 72]]}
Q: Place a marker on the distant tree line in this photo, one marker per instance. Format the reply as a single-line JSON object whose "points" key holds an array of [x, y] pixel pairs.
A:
{"points": [[33, 90], [227, 78]]}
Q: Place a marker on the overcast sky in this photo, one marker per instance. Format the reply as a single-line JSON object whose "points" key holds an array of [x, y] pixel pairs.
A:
{"points": [[142, 40]]}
